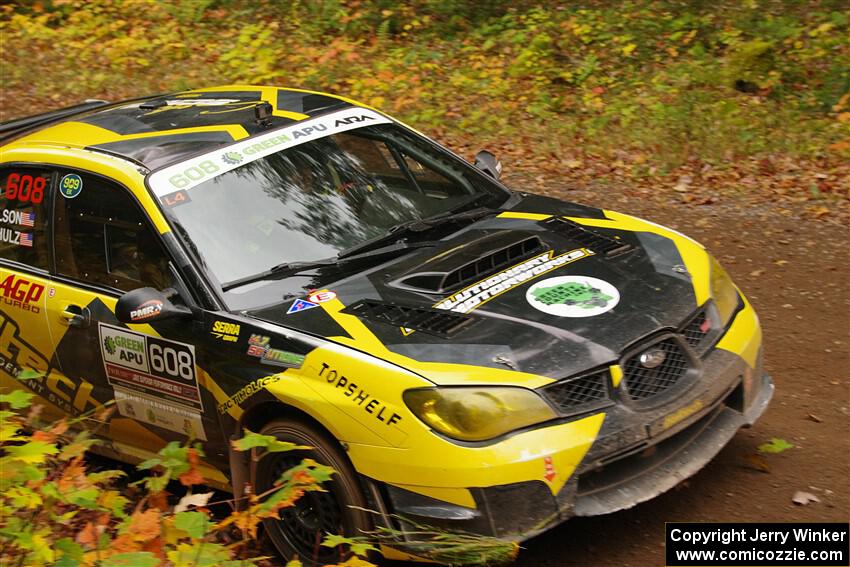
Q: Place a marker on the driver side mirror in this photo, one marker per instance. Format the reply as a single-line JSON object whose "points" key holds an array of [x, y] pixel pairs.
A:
{"points": [[146, 305], [489, 164]]}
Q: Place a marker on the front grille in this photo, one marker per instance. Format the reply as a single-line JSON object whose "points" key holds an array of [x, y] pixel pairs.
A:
{"points": [[582, 393], [697, 330], [642, 382], [437, 322]]}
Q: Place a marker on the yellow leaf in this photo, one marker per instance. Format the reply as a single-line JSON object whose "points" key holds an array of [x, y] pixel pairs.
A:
{"points": [[627, 49]]}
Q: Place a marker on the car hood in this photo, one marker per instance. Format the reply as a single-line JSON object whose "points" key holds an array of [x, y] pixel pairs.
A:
{"points": [[550, 289]]}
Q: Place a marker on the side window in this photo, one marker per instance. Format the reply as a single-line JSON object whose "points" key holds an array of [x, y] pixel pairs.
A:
{"points": [[103, 237], [23, 215]]}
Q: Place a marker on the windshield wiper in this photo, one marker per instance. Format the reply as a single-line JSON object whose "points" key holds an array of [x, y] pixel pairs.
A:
{"points": [[372, 248], [399, 231], [292, 268]]}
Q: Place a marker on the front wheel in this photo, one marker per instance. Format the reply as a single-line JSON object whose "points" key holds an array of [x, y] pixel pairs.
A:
{"points": [[302, 527]]}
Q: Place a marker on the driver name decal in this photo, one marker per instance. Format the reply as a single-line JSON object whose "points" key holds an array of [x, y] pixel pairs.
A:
{"points": [[477, 294]]}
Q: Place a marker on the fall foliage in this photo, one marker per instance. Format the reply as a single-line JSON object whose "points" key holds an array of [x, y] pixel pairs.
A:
{"points": [[699, 101]]}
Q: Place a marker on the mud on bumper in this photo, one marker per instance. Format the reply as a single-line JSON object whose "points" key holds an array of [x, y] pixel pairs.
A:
{"points": [[637, 456]]}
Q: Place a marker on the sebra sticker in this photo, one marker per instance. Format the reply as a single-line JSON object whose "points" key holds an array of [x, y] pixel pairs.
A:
{"points": [[573, 296]]}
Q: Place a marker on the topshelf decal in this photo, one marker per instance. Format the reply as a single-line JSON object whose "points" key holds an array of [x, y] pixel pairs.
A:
{"points": [[192, 172]]}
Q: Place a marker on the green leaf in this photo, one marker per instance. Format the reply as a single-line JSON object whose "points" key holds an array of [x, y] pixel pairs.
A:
{"points": [[775, 445], [357, 545], [66, 561], [17, 399], [105, 476], [267, 442], [195, 524], [41, 549], [32, 452], [71, 552], [85, 498], [78, 446], [154, 483], [30, 374], [23, 497], [200, 555], [134, 559]]}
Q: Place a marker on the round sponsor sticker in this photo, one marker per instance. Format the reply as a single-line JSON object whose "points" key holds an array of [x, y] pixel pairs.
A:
{"points": [[71, 185], [322, 296], [573, 296]]}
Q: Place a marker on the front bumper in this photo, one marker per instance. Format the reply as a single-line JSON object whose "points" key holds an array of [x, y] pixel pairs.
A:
{"points": [[637, 479], [635, 473], [628, 455]]}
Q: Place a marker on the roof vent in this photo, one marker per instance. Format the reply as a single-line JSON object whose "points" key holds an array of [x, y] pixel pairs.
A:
{"points": [[438, 322], [588, 238]]}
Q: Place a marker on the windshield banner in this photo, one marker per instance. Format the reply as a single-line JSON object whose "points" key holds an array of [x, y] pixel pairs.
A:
{"points": [[199, 169]]}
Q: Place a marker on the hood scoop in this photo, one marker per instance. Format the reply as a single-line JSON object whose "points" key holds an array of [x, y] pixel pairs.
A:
{"points": [[438, 322], [590, 239], [470, 263]]}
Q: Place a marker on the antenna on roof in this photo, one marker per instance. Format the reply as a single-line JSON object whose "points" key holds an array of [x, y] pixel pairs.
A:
{"points": [[262, 114]]}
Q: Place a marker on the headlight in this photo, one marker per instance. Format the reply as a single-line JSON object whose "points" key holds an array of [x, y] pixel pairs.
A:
{"points": [[477, 413], [723, 291]]}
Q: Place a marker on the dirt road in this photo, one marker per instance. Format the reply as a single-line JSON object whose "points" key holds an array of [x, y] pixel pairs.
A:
{"points": [[796, 275]]}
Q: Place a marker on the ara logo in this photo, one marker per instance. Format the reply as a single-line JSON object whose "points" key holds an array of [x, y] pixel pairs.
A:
{"points": [[300, 305], [352, 119]]}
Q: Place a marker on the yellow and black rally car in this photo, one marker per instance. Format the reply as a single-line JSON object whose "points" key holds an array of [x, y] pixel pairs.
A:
{"points": [[301, 265]]}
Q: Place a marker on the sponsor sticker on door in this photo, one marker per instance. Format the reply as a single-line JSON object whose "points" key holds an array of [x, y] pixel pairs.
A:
{"points": [[157, 367]]}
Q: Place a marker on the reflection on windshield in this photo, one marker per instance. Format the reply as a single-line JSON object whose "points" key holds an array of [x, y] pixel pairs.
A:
{"points": [[318, 198]]}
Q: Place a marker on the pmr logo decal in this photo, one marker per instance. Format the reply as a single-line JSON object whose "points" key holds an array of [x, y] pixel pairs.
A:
{"points": [[573, 296]]}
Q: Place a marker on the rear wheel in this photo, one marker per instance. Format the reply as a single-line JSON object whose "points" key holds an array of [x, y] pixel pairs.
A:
{"points": [[302, 527]]}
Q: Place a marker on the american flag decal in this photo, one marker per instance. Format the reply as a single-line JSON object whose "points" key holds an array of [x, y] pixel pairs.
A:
{"points": [[26, 239], [28, 219]]}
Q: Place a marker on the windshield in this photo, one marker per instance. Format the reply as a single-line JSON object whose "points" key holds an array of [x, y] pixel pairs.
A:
{"points": [[310, 200]]}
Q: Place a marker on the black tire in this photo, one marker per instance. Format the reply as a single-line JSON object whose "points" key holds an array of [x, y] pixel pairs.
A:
{"points": [[302, 527]]}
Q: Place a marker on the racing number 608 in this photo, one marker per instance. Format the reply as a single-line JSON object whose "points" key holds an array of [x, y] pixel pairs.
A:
{"points": [[25, 188], [194, 173], [177, 363]]}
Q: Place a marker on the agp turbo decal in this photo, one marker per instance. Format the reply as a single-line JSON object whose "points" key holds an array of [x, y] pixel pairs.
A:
{"points": [[21, 293], [159, 368], [479, 293]]}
